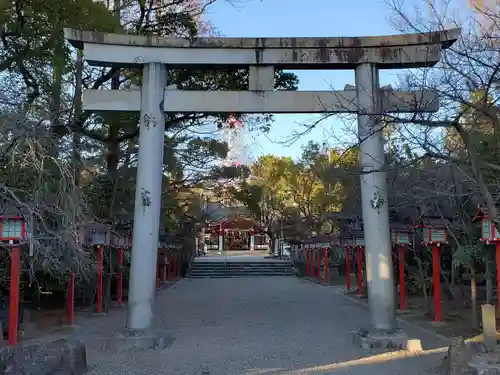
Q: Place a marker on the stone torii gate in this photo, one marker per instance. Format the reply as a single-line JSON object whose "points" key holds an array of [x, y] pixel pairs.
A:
{"points": [[261, 56]]}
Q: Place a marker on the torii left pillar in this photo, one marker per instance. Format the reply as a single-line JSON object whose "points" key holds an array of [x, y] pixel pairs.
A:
{"points": [[147, 198]]}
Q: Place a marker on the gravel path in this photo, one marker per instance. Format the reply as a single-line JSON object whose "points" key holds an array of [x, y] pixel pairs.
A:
{"points": [[250, 326]]}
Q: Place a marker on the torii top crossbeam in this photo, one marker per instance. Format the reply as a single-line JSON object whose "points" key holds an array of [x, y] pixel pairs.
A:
{"points": [[262, 56], [389, 52]]}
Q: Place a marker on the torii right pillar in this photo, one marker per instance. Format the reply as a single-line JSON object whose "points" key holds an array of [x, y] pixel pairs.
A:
{"points": [[382, 331], [374, 200]]}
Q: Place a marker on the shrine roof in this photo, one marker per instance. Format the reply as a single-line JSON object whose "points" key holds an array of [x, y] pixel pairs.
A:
{"points": [[401, 226], [216, 212], [433, 221]]}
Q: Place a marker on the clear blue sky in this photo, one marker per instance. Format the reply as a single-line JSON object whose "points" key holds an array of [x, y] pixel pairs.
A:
{"points": [[294, 18]]}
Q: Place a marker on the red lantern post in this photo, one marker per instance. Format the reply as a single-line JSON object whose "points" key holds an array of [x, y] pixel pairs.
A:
{"points": [[100, 261], [434, 233], [348, 268], [71, 299], [119, 275], [401, 235], [325, 256], [360, 270], [15, 278], [436, 280], [490, 235], [402, 282]]}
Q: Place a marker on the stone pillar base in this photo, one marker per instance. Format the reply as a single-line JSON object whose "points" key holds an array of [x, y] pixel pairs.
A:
{"points": [[151, 339], [45, 356], [381, 339]]}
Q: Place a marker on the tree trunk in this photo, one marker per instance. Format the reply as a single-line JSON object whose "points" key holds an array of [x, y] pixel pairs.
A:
{"points": [[473, 297], [421, 271]]}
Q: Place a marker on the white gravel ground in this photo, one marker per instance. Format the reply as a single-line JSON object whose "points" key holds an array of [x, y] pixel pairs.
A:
{"points": [[250, 326]]}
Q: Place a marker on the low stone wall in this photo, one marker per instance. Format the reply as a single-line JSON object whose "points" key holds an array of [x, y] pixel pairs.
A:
{"points": [[56, 357]]}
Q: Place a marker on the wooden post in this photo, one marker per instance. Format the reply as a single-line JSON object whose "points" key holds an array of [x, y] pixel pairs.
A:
{"points": [[436, 278], [402, 282], [326, 278], [71, 299], [348, 269], [15, 278], [119, 275], [100, 261], [360, 271]]}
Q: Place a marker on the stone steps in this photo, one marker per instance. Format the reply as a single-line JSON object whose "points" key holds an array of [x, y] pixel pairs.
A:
{"points": [[239, 269]]}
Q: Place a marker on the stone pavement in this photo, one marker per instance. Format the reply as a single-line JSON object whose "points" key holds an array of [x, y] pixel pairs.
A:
{"points": [[251, 326]]}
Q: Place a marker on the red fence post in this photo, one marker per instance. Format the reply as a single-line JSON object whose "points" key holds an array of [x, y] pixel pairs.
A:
{"points": [[306, 260], [15, 278], [157, 271], [175, 265], [71, 299], [319, 264], [179, 265], [348, 269], [360, 271], [436, 277], [402, 286], [169, 275], [99, 278], [327, 266], [164, 269], [311, 263], [119, 285]]}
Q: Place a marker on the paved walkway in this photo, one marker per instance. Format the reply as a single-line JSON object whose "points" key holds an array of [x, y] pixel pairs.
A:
{"points": [[250, 326]]}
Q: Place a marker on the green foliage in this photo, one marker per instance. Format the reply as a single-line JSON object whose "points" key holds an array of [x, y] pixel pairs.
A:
{"points": [[305, 189], [469, 254]]}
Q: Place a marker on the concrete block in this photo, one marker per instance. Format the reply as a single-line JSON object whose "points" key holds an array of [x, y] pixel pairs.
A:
{"points": [[58, 357], [414, 346], [151, 339], [381, 339], [489, 326]]}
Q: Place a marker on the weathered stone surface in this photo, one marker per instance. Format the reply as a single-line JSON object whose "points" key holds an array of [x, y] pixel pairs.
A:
{"points": [[131, 340], [459, 355], [486, 364], [62, 356], [376, 339]]}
